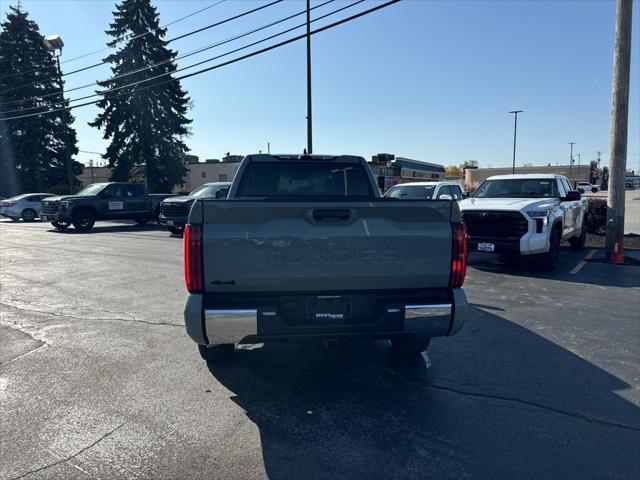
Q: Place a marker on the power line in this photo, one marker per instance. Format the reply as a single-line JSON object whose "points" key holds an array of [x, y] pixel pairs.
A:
{"points": [[153, 65], [129, 37], [244, 47], [103, 62], [117, 40], [223, 64]]}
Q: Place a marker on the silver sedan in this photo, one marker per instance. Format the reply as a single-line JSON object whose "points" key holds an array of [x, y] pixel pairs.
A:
{"points": [[25, 206]]}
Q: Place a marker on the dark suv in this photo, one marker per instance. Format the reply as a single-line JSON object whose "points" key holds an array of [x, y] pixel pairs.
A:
{"points": [[175, 211]]}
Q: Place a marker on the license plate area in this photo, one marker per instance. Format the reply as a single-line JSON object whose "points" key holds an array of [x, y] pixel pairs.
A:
{"points": [[329, 308], [486, 247]]}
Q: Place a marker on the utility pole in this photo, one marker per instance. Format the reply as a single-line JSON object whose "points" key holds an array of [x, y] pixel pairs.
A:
{"points": [[515, 130], [309, 124], [571, 159], [578, 166], [618, 142], [269, 148]]}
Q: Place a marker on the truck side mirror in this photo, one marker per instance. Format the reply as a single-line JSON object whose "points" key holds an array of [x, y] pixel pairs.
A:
{"points": [[445, 197], [572, 196]]}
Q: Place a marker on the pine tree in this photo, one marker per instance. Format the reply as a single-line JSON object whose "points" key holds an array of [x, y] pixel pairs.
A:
{"points": [[32, 149], [146, 127]]}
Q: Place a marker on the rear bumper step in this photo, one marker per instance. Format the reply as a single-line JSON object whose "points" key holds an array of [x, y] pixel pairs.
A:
{"points": [[255, 325]]}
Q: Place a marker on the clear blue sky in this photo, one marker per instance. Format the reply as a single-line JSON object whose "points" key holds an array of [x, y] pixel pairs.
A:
{"points": [[430, 80]]}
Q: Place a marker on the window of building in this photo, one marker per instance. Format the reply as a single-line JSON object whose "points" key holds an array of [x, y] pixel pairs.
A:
{"points": [[204, 174]]}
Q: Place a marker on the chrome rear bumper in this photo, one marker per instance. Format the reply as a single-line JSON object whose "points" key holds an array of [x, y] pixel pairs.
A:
{"points": [[224, 325]]}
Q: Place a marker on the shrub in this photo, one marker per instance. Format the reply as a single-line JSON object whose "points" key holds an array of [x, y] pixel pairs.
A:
{"points": [[597, 216]]}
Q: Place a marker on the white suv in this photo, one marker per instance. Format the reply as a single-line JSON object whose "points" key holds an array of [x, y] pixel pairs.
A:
{"points": [[426, 190], [525, 214]]}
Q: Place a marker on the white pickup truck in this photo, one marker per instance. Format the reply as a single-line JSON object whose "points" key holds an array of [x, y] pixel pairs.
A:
{"points": [[525, 214]]}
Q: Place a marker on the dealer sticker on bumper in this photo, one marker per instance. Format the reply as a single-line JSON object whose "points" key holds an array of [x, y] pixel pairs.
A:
{"points": [[486, 247]]}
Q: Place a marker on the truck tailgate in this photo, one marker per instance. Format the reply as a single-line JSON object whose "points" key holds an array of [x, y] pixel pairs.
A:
{"points": [[271, 247]]}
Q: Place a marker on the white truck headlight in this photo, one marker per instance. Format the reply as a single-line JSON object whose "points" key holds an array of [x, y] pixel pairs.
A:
{"points": [[539, 215]]}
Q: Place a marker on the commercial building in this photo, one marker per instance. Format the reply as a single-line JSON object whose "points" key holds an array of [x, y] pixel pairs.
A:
{"points": [[198, 173], [575, 173], [391, 170]]}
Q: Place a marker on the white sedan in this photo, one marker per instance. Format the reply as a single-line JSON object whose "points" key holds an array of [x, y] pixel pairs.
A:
{"points": [[26, 206]]}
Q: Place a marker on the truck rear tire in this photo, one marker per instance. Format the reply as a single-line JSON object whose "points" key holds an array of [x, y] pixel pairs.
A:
{"points": [[217, 353], [577, 243], [84, 220], [549, 260], [141, 220], [406, 349], [176, 230]]}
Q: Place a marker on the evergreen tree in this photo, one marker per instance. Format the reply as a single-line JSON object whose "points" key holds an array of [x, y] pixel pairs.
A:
{"points": [[146, 127], [32, 150]]}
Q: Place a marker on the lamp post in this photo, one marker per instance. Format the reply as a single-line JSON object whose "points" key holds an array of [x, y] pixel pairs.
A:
{"points": [[515, 130], [571, 158], [53, 43]]}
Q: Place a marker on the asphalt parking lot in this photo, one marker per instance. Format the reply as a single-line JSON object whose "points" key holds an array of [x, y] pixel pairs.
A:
{"points": [[99, 380]]}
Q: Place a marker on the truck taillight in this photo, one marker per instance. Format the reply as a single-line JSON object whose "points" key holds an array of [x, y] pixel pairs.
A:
{"points": [[193, 274], [458, 255]]}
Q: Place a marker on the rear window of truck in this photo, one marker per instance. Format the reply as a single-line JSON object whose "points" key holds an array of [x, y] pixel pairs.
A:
{"points": [[304, 179]]}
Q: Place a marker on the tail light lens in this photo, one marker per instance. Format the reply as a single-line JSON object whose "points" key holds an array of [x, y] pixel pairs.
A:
{"points": [[8, 204], [193, 268], [458, 255]]}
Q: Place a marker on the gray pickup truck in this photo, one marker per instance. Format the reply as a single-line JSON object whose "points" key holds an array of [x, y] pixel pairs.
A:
{"points": [[304, 248], [102, 201]]}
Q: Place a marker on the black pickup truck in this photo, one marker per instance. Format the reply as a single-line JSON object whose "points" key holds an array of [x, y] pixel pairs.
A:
{"points": [[102, 201]]}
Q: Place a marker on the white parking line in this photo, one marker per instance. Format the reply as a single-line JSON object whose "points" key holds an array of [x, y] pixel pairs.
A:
{"points": [[590, 254], [582, 263]]}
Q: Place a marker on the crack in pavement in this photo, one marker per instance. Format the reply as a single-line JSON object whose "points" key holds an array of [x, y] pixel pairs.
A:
{"points": [[578, 415], [71, 457], [132, 318], [43, 343]]}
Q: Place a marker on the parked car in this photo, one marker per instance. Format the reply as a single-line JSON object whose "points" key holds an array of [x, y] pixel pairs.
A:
{"points": [[584, 187], [102, 201], [25, 206], [426, 190], [304, 248], [175, 210], [525, 215]]}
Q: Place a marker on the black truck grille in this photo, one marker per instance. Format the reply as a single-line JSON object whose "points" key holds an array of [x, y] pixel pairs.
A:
{"points": [[173, 210], [49, 208], [507, 225]]}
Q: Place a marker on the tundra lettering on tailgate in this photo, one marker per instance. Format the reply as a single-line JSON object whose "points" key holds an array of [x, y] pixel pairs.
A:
{"points": [[332, 256]]}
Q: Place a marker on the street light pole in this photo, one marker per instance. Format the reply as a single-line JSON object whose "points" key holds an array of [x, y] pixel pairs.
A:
{"points": [[53, 43], [515, 130], [571, 158], [309, 124]]}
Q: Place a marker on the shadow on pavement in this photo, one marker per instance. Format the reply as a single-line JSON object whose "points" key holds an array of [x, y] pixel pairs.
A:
{"points": [[113, 228], [499, 402], [595, 272]]}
